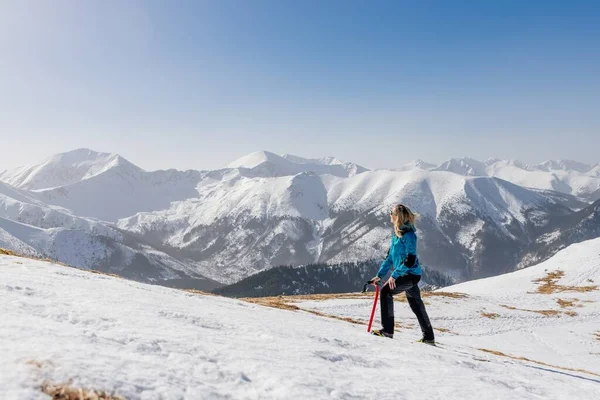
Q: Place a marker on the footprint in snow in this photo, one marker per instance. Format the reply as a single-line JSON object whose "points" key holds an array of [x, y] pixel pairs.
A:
{"points": [[351, 358]]}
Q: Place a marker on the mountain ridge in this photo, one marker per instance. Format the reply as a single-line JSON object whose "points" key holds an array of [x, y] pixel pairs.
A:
{"points": [[267, 210]]}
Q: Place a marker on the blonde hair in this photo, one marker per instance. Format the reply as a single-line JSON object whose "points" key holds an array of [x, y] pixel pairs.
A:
{"points": [[402, 215]]}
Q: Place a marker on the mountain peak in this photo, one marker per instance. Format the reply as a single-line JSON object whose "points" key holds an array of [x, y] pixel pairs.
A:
{"points": [[464, 166], [595, 170], [491, 161], [65, 168], [418, 164], [498, 164], [330, 160], [288, 164], [256, 158], [564, 165], [81, 153]]}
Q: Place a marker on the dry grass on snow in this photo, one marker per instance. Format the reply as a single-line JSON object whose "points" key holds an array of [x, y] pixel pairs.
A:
{"points": [[68, 392], [498, 353], [489, 315], [5, 252], [288, 303], [567, 303], [571, 313], [547, 313], [549, 284], [283, 302]]}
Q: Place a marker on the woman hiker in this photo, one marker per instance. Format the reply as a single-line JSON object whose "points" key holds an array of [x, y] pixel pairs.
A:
{"points": [[405, 277]]}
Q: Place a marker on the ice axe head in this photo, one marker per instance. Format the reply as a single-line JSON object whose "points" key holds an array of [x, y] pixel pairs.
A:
{"points": [[367, 286]]}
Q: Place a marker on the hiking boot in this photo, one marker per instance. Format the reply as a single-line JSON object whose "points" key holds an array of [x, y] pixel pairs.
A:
{"points": [[430, 342], [382, 333]]}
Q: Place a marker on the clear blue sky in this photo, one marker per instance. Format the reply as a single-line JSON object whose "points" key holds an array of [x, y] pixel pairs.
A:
{"points": [[196, 84]]}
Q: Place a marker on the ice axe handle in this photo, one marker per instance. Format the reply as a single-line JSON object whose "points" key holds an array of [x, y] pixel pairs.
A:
{"points": [[374, 307]]}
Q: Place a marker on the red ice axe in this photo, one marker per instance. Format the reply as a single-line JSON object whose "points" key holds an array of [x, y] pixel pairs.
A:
{"points": [[374, 302]]}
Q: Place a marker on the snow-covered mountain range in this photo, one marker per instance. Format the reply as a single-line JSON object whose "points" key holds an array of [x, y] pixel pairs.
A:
{"points": [[531, 334], [98, 210], [569, 177], [33, 228]]}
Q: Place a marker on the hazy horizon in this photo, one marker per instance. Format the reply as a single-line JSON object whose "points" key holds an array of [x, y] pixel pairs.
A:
{"points": [[225, 162]]}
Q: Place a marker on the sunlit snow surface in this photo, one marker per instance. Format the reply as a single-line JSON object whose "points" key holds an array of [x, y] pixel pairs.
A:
{"points": [[150, 342]]}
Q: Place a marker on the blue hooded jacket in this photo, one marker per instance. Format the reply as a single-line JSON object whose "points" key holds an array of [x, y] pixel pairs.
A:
{"points": [[402, 255]]}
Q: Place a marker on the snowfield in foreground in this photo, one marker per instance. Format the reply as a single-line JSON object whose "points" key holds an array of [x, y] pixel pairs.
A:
{"points": [[506, 337]]}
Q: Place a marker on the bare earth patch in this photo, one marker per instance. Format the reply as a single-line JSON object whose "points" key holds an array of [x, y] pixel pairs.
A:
{"points": [[329, 296], [398, 325], [452, 295], [546, 313], [275, 302], [489, 315], [346, 319], [200, 292], [5, 252], [549, 285], [571, 313], [497, 353], [283, 302], [68, 392], [287, 302], [39, 364], [566, 303]]}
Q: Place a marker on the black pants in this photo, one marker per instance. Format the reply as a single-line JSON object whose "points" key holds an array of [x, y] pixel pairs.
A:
{"points": [[407, 284]]}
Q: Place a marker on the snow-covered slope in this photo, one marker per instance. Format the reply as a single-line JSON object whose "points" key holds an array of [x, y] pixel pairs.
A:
{"points": [[476, 225], [123, 191], [564, 231], [101, 185], [564, 176], [111, 251], [579, 263], [241, 223], [564, 165], [578, 181], [30, 227], [546, 317], [149, 342], [336, 167], [595, 170], [22, 206], [10, 242]]}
